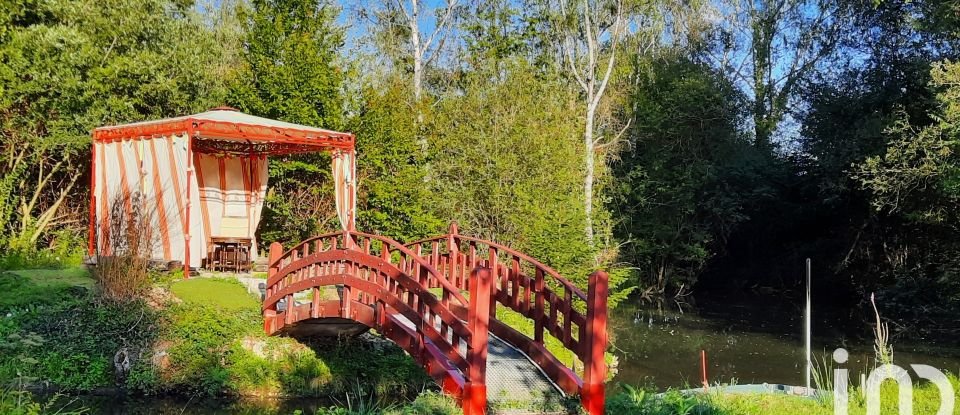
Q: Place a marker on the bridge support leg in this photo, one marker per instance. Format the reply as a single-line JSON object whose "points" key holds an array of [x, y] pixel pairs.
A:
{"points": [[474, 399], [595, 340], [478, 319], [270, 315]]}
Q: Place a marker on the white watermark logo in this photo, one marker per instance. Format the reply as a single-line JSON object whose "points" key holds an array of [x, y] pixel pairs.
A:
{"points": [[841, 396]]}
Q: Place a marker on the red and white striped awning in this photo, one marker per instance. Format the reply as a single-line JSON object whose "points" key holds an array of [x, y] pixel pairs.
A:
{"points": [[226, 130]]}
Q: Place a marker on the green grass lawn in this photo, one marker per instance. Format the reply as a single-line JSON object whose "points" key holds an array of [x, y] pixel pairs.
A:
{"points": [[34, 287], [75, 276], [220, 292]]}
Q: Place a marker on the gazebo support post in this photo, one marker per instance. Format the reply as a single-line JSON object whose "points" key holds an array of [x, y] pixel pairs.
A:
{"points": [[92, 228], [186, 231], [352, 192]]}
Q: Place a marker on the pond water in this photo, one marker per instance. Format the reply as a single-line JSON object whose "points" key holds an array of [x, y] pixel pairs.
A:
{"points": [[746, 341]]}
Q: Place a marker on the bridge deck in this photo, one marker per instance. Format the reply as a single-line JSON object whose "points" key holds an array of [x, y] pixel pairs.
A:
{"points": [[512, 378]]}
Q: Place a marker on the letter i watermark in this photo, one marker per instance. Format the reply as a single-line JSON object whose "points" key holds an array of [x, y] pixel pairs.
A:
{"points": [[841, 397]]}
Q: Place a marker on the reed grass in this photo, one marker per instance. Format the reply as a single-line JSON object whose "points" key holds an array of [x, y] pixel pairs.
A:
{"points": [[127, 242]]}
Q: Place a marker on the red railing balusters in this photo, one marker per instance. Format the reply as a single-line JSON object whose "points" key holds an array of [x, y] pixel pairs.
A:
{"points": [[515, 282], [567, 315], [538, 315], [288, 312], [494, 266]]}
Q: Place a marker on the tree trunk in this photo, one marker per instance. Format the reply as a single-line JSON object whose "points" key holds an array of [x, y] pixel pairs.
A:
{"points": [[418, 52], [417, 60], [589, 155]]}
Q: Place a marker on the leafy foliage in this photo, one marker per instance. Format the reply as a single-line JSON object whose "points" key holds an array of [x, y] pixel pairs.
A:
{"points": [[68, 66], [291, 72], [679, 188], [507, 170], [393, 197]]}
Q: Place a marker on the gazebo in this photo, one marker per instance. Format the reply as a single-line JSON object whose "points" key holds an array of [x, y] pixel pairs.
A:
{"points": [[204, 175]]}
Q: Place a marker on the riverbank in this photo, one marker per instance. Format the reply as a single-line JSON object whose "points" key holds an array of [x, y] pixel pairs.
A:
{"points": [[629, 400], [195, 338]]}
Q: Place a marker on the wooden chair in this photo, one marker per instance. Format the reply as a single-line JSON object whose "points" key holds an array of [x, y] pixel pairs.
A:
{"points": [[230, 248]]}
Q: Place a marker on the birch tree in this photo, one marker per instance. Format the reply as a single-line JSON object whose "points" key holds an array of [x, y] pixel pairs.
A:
{"points": [[769, 46], [425, 47], [413, 28], [590, 32]]}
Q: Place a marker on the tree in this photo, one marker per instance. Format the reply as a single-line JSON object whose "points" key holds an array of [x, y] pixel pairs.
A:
{"points": [[415, 32], [919, 173], [68, 66], [503, 174], [292, 73], [676, 191], [769, 46], [394, 198], [584, 28]]}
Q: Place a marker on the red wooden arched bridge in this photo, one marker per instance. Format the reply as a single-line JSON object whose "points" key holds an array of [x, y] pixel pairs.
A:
{"points": [[438, 299]]}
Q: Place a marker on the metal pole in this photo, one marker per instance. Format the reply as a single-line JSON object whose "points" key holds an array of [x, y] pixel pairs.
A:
{"points": [[806, 331]]}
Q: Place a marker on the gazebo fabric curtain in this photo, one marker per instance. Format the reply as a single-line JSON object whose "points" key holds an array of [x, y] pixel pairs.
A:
{"points": [[155, 169], [344, 166]]}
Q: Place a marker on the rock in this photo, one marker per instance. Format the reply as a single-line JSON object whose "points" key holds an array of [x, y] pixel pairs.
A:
{"points": [[122, 362], [255, 346], [160, 358]]}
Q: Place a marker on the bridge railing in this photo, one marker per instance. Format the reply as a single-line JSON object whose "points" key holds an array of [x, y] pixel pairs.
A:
{"points": [[378, 272], [553, 305]]}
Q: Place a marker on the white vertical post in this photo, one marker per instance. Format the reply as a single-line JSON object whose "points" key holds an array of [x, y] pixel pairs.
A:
{"points": [[806, 331]]}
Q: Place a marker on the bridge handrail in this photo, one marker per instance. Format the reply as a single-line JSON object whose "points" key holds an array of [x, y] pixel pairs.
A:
{"points": [[394, 246], [548, 270], [554, 304]]}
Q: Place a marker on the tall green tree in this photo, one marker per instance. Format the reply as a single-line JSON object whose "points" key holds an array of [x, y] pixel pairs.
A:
{"points": [[293, 73], [68, 66], [676, 191], [506, 169], [394, 198], [769, 47]]}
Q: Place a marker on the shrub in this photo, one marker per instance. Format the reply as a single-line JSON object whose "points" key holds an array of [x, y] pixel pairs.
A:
{"points": [[20, 292], [17, 402], [126, 246]]}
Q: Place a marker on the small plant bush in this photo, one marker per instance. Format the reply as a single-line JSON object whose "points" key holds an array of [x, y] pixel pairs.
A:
{"points": [[213, 343], [21, 292], [126, 245], [18, 402]]}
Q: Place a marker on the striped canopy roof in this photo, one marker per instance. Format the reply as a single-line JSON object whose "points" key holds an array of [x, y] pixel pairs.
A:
{"points": [[226, 130]]}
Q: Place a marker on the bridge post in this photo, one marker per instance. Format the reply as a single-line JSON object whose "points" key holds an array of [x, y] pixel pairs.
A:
{"points": [[595, 342], [474, 400], [270, 316]]}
